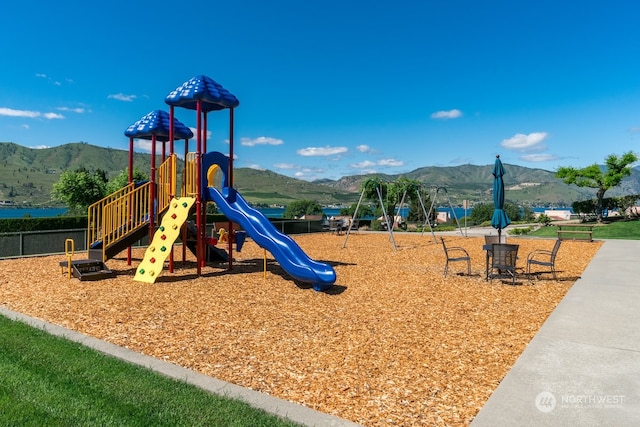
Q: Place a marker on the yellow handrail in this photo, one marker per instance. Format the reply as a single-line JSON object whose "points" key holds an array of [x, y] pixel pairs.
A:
{"points": [[166, 182], [127, 210], [125, 215], [190, 183], [95, 213]]}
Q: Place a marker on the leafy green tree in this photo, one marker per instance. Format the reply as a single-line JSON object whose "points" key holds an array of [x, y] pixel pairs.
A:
{"points": [[625, 203], [616, 169], [298, 208], [80, 188], [363, 210], [415, 208], [122, 179], [481, 213], [484, 211], [391, 192]]}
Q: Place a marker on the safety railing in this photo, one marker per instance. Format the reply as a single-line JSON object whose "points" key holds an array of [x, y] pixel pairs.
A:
{"points": [[190, 178], [125, 215], [166, 182], [95, 214]]}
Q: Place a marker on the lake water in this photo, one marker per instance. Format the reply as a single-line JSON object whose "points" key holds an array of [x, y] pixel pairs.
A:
{"points": [[32, 212], [268, 212]]}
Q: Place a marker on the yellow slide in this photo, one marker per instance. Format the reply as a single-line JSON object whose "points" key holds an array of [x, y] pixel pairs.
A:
{"points": [[160, 248]]}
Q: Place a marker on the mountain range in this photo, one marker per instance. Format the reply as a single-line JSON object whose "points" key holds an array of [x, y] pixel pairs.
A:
{"points": [[27, 176]]}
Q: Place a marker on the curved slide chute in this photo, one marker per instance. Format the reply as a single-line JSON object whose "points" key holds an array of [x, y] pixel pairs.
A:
{"points": [[285, 250]]}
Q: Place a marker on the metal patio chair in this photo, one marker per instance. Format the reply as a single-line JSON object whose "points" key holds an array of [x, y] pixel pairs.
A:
{"points": [[503, 261], [544, 258], [456, 254]]}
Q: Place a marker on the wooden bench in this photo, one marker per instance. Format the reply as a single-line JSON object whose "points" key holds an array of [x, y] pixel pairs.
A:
{"points": [[575, 231]]}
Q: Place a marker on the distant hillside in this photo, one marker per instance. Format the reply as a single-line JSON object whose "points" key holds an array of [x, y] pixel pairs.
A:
{"points": [[27, 176], [534, 187]]}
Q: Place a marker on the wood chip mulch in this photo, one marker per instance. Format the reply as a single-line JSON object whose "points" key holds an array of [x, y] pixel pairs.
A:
{"points": [[392, 343]]}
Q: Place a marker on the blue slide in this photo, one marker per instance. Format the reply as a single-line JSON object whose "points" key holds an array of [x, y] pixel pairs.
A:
{"points": [[285, 250]]}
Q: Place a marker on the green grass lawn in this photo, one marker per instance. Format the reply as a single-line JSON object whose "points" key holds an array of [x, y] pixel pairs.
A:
{"points": [[626, 230], [48, 380]]}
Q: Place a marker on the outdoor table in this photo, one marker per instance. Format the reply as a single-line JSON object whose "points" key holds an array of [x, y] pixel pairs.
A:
{"points": [[488, 249]]}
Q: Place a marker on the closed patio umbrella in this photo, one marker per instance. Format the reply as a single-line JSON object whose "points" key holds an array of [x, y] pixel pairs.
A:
{"points": [[500, 219]]}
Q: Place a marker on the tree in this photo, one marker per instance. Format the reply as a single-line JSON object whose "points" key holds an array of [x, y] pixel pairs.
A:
{"points": [[122, 179], [484, 211], [616, 168], [298, 208], [80, 188], [363, 210]]}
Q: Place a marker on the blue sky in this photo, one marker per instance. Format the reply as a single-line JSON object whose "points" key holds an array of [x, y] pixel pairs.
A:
{"points": [[335, 88]]}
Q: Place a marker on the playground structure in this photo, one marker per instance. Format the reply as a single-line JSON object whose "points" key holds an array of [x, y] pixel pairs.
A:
{"points": [[131, 213]]}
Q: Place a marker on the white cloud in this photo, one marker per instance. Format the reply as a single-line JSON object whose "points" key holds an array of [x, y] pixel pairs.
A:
{"points": [[363, 148], [195, 134], [531, 142], [145, 145], [73, 110], [53, 116], [364, 164], [383, 162], [321, 151], [308, 173], [451, 114], [28, 114], [40, 147], [285, 166], [256, 167], [122, 97], [539, 158], [390, 162], [634, 129], [261, 140]]}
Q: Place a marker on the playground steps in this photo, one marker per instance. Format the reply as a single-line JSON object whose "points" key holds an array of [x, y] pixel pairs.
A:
{"points": [[88, 269]]}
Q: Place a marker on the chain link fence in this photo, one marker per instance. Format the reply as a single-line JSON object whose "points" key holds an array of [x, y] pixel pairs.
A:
{"points": [[33, 243]]}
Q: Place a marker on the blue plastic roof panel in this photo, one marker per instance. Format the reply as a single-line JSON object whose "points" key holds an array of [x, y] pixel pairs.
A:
{"points": [[205, 89], [156, 123]]}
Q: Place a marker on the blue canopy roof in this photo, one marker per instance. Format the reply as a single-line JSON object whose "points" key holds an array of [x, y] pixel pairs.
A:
{"points": [[203, 88], [156, 123]]}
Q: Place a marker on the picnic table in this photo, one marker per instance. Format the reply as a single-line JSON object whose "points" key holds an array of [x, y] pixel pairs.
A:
{"points": [[575, 231]]}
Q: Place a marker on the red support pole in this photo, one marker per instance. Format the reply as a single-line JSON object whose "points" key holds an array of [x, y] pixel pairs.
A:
{"points": [[204, 135], [152, 192], [171, 113], [184, 231], [130, 201], [230, 179], [199, 225]]}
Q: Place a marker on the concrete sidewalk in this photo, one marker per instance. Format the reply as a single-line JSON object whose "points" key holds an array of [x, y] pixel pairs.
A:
{"points": [[583, 367]]}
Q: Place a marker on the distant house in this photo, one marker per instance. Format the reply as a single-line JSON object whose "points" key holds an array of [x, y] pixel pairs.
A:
{"points": [[557, 215], [443, 217]]}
